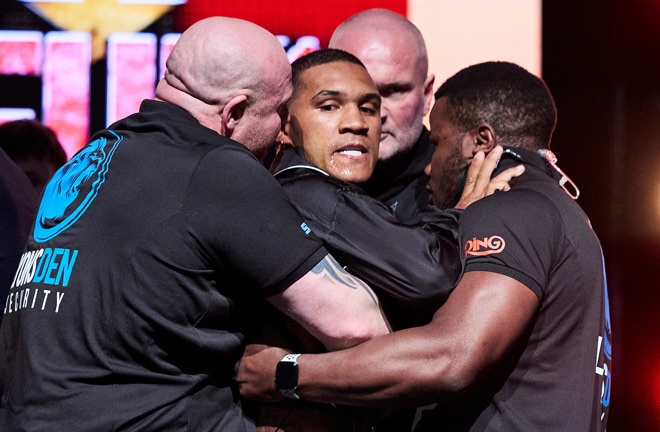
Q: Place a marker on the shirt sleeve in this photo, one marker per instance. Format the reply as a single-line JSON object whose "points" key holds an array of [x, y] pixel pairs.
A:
{"points": [[513, 233], [246, 226]]}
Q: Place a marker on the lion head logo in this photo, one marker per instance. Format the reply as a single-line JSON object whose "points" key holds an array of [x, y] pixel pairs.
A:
{"points": [[73, 188]]}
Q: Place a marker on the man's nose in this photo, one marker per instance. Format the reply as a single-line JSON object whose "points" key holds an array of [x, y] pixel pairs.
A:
{"points": [[353, 121]]}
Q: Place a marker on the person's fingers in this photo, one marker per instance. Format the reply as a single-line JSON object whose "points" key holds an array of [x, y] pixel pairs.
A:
{"points": [[478, 182], [479, 173], [492, 187], [484, 171], [488, 167], [473, 172], [501, 181], [509, 174]]}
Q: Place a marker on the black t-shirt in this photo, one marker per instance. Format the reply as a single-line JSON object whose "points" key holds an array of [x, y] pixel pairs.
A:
{"points": [[557, 378], [135, 295], [412, 266]]}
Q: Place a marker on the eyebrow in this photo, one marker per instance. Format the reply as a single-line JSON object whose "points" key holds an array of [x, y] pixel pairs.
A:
{"points": [[372, 96], [324, 93], [335, 93], [406, 85]]}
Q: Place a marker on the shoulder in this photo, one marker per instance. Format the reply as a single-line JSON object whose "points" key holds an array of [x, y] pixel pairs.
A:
{"points": [[316, 191], [524, 219], [231, 172], [519, 233], [226, 157], [518, 204], [313, 180]]}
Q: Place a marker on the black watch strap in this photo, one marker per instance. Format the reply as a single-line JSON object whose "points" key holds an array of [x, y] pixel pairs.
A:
{"points": [[286, 376]]}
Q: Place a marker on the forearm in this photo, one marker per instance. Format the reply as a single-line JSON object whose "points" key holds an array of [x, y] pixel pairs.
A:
{"points": [[482, 319], [470, 334], [406, 368], [389, 372]]}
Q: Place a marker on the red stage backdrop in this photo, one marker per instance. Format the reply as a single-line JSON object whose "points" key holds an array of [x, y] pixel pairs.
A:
{"points": [[293, 18], [117, 49]]}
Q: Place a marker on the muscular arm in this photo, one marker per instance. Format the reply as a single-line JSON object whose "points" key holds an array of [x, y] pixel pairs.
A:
{"points": [[333, 306], [484, 317]]}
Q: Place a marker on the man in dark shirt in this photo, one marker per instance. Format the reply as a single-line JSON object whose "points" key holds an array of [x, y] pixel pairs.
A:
{"points": [[524, 341], [394, 52]]}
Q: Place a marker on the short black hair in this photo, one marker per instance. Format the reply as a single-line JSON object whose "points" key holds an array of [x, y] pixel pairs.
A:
{"points": [[516, 103], [317, 58]]}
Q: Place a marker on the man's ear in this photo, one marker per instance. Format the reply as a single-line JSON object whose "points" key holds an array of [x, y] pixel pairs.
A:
{"points": [[485, 138], [283, 142], [428, 93], [232, 113], [284, 137]]}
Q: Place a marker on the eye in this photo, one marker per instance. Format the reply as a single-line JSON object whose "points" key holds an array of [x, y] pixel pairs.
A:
{"points": [[328, 107], [393, 90], [369, 109]]}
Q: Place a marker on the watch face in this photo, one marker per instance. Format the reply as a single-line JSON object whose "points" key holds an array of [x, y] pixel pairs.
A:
{"points": [[286, 375]]}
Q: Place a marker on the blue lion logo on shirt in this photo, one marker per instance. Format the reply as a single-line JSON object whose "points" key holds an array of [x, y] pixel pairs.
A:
{"points": [[73, 188]]}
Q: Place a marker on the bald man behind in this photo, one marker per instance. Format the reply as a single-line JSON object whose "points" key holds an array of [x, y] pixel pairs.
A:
{"points": [[394, 52], [155, 244]]}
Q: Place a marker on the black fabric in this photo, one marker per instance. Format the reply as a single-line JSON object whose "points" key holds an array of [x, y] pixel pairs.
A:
{"points": [[557, 377], [170, 236], [412, 266], [18, 205], [400, 182]]}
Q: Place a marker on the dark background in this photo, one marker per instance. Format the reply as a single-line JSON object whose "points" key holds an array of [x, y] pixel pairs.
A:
{"points": [[601, 60]]}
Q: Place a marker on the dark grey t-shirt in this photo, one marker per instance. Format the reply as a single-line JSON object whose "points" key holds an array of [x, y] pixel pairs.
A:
{"points": [[557, 378], [131, 306]]}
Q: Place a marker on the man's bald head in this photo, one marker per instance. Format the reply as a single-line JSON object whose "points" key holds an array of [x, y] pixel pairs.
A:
{"points": [[381, 25], [394, 52], [227, 73]]}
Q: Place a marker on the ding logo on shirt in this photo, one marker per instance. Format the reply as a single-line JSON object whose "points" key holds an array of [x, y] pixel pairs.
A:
{"points": [[73, 188], [487, 246]]}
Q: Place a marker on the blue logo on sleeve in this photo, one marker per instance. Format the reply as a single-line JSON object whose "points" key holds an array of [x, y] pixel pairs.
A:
{"points": [[73, 188]]}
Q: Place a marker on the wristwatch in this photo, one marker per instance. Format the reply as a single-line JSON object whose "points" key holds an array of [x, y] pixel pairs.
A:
{"points": [[286, 376]]}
